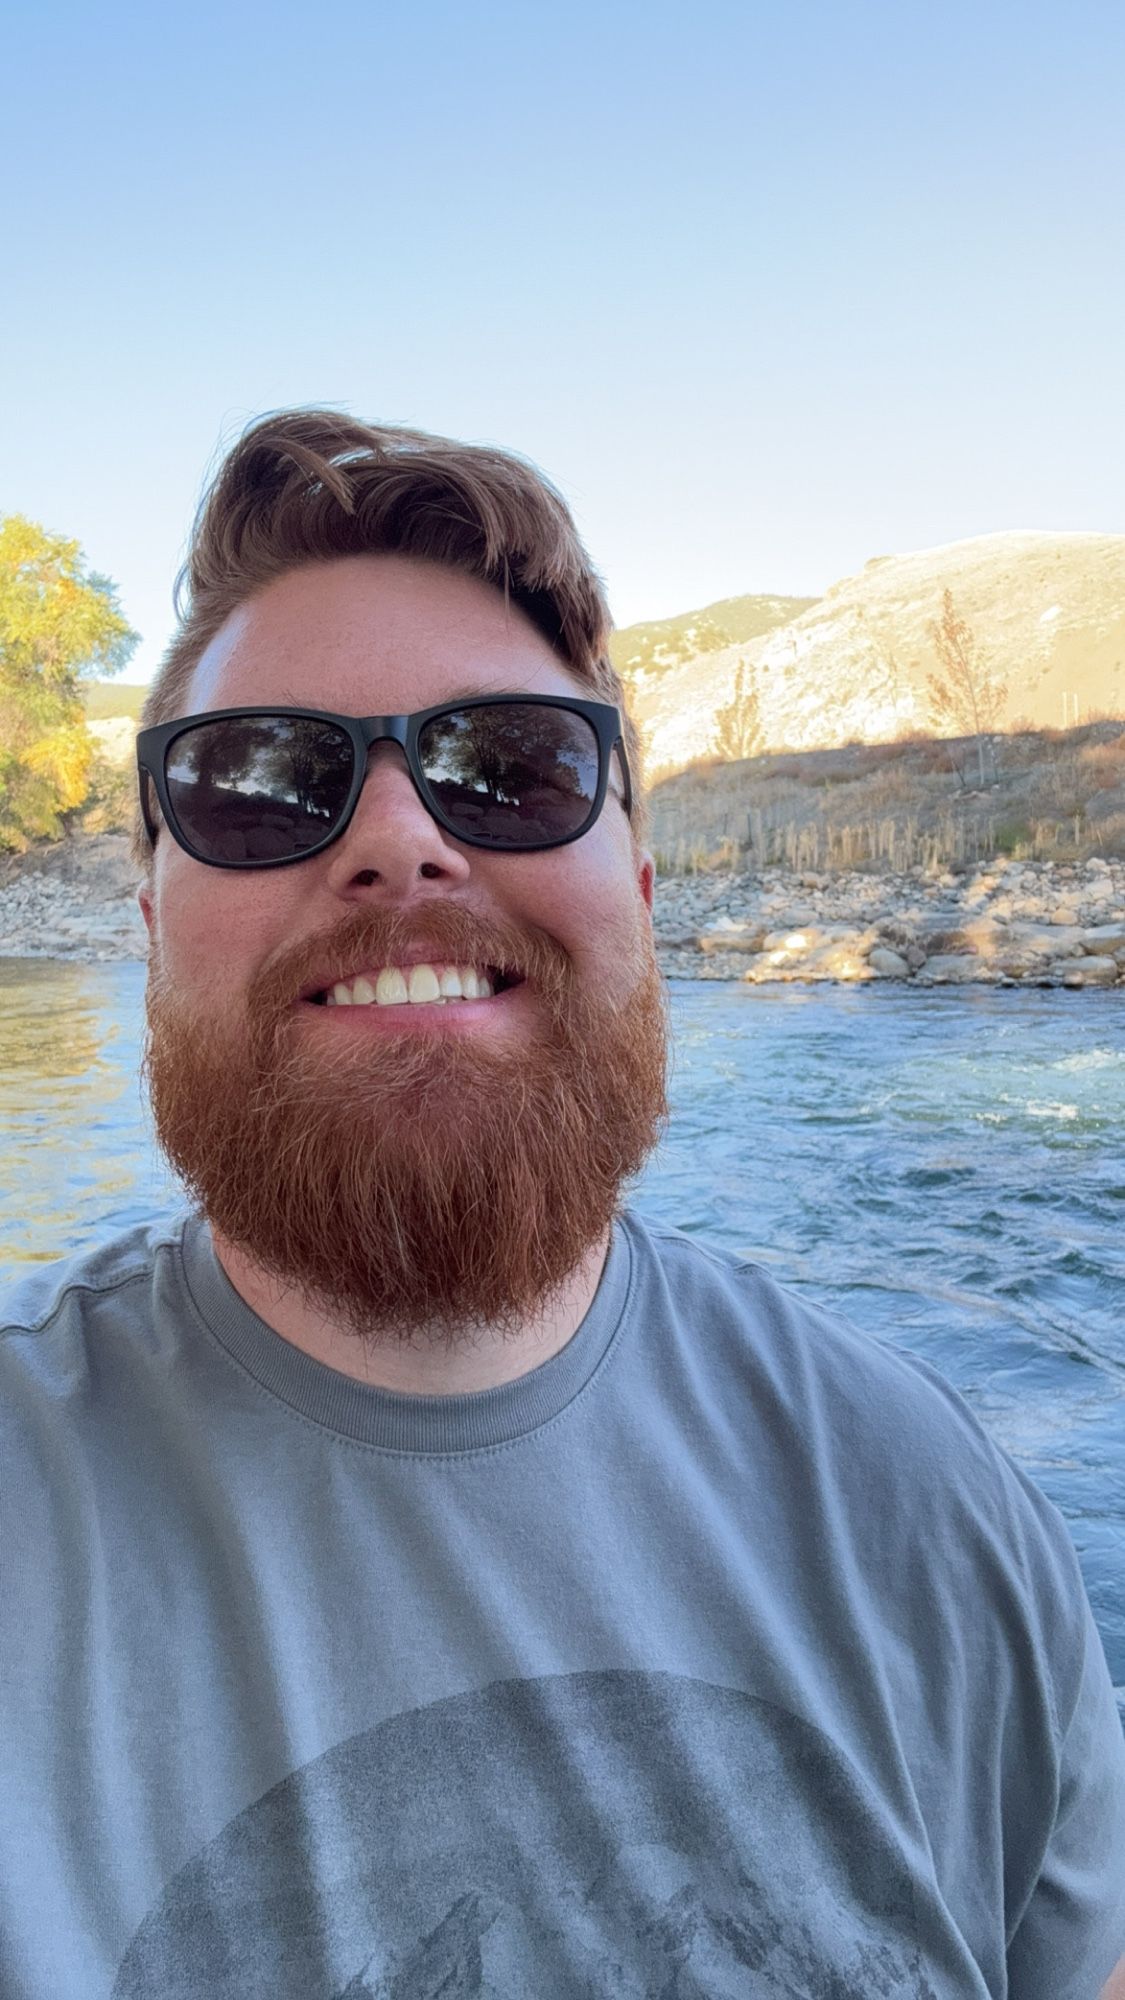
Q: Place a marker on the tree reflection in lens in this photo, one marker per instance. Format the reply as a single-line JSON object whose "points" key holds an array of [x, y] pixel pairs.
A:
{"points": [[512, 771]]}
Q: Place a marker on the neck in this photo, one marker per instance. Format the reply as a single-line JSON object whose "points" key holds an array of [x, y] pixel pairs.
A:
{"points": [[481, 1359]]}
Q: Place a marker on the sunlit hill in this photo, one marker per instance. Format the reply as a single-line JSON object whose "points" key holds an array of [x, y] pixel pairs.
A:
{"points": [[1046, 615]]}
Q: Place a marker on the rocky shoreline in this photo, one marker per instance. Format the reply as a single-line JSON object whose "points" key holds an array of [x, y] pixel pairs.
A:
{"points": [[1000, 924], [74, 899]]}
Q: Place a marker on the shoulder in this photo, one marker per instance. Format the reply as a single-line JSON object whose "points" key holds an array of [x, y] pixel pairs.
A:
{"points": [[844, 1386], [880, 1436], [96, 1284], [751, 1326]]}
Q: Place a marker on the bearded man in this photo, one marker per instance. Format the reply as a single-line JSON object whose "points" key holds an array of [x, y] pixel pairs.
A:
{"points": [[423, 1576]]}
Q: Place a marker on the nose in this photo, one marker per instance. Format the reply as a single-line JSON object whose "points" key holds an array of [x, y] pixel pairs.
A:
{"points": [[391, 841]]}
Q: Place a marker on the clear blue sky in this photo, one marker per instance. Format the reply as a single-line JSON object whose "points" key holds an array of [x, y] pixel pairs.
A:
{"points": [[765, 289]]}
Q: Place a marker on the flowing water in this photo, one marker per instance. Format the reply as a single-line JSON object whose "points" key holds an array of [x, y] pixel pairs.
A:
{"points": [[944, 1168]]}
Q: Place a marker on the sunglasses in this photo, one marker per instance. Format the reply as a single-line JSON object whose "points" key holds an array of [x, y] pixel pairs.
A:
{"points": [[261, 787]]}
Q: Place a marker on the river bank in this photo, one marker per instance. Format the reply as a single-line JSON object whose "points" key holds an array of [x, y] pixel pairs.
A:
{"points": [[1004, 923]]}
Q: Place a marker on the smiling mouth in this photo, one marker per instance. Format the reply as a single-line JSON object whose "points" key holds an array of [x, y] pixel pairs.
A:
{"points": [[429, 985]]}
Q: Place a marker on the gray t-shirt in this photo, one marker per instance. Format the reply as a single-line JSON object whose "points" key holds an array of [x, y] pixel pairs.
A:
{"points": [[722, 1655]]}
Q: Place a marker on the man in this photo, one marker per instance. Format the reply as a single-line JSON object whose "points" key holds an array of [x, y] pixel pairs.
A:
{"points": [[423, 1577]]}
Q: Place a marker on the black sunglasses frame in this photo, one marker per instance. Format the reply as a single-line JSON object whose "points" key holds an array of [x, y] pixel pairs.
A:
{"points": [[153, 746]]}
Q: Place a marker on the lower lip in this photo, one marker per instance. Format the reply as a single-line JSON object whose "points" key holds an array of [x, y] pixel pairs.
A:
{"points": [[457, 1017]]}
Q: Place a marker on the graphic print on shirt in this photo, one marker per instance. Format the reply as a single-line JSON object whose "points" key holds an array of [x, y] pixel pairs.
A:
{"points": [[623, 1834]]}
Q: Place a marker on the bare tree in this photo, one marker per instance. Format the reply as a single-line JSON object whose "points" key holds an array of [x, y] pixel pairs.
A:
{"points": [[738, 725], [967, 693]]}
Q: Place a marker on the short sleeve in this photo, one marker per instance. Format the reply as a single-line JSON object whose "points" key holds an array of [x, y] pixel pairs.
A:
{"points": [[1072, 1932]]}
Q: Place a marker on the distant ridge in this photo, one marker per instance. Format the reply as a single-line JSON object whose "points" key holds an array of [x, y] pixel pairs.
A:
{"points": [[1047, 611], [640, 652], [106, 699]]}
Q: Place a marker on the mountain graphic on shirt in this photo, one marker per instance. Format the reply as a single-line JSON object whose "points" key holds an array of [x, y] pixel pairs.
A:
{"points": [[689, 1953], [628, 1835]]}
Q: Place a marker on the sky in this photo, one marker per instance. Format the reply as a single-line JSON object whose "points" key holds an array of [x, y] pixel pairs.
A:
{"points": [[766, 290]]}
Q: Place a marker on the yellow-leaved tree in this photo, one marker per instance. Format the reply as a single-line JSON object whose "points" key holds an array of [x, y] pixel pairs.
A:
{"points": [[968, 694], [738, 731], [59, 624]]}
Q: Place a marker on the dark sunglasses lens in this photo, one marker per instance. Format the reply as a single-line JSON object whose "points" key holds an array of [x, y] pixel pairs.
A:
{"points": [[258, 788], [513, 774]]}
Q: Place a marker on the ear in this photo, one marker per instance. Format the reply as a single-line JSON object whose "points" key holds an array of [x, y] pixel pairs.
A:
{"points": [[144, 898], [646, 879]]}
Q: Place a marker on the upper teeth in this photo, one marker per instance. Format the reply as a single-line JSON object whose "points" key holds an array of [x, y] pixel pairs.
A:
{"points": [[392, 987]]}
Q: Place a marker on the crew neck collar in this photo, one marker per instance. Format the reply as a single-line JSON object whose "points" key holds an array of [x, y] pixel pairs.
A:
{"points": [[388, 1418]]}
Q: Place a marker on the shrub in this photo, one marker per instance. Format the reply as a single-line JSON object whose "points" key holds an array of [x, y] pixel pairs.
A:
{"points": [[1105, 762], [1012, 837]]}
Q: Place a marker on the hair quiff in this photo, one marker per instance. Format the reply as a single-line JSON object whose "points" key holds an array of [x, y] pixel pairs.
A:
{"points": [[305, 486]]}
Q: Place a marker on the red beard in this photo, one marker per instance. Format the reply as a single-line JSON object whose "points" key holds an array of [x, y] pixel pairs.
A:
{"points": [[422, 1186]]}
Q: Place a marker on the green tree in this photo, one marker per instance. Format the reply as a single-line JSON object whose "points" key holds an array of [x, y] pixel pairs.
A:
{"points": [[738, 725], [966, 693], [59, 624]]}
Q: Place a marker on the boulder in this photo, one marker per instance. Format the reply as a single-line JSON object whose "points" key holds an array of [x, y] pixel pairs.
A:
{"points": [[1091, 972], [801, 938], [985, 935], [949, 968], [887, 964], [837, 952], [1107, 940], [1046, 940], [844, 959], [748, 937]]}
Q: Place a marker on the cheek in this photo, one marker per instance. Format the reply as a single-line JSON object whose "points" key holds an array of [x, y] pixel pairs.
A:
{"points": [[594, 907], [212, 928]]}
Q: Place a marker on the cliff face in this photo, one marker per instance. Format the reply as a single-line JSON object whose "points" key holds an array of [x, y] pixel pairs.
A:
{"points": [[1047, 612]]}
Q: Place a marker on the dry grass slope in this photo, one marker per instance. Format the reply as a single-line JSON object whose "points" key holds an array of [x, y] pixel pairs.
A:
{"points": [[1053, 795], [1047, 612]]}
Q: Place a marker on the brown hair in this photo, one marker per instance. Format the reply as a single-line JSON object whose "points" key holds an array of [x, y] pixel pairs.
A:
{"points": [[304, 486]]}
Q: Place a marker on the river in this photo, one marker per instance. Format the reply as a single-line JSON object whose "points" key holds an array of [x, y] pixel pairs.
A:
{"points": [[943, 1167]]}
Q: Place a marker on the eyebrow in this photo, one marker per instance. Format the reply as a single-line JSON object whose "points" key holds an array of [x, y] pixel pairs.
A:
{"points": [[288, 699], [472, 693]]}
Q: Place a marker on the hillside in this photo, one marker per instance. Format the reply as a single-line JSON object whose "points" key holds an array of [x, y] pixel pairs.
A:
{"points": [[108, 699], [1047, 611], [644, 652], [1051, 796]]}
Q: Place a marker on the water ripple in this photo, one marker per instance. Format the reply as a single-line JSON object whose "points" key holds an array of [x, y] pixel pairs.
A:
{"points": [[943, 1168]]}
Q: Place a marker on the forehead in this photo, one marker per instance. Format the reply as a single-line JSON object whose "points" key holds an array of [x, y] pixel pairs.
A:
{"points": [[372, 635]]}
